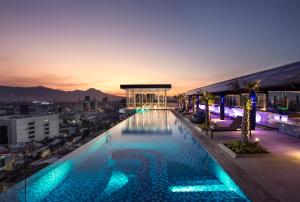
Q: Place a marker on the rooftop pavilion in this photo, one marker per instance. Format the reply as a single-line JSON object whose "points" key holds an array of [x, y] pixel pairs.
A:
{"points": [[150, 96], [276, 101], [282, 78]]}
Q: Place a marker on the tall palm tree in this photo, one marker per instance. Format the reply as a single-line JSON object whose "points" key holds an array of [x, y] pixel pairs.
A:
{"points": [[179, 99], [245, 132], [209, 99], [186, 99], [183, 103], [250, 86]]}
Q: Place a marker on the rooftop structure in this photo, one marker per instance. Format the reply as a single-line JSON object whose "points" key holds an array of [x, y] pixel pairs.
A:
{"points": [[283, 78], [276, 100], [151, 96]]}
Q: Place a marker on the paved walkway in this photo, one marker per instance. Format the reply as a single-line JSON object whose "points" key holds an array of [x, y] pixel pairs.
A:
{"points": [[279, 172]]}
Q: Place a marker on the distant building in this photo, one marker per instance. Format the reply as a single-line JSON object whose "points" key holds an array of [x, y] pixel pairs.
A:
{"points": [[86, 106], [36, 107], [22, 128], [83, 105], [94, 104], [7, 110], [87, 98], [90, 105], [24, 109]]}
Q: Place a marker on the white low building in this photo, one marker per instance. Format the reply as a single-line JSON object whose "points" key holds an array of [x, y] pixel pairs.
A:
{"points": [[17, 129]]}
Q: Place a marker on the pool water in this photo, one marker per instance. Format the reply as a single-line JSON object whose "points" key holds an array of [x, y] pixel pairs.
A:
{"points": [[151, 156]]}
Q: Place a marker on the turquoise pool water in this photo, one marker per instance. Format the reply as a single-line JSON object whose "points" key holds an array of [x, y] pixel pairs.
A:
{"points": [[151, 156]]}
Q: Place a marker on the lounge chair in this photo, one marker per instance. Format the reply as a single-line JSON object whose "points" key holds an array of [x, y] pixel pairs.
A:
{"points": [[235, 125], [198, 117]]}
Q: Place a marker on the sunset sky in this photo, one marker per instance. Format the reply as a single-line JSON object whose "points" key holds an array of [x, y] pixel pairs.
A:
{"points": [[101, 44]]}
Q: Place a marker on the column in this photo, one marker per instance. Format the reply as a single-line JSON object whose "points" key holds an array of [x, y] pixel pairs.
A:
{"points": [[275, 102], [253, 110], [197, 102], [190, 103], [134, 98], [158, 99], [297, 103], [128, 98], [222, 107], [165, 99], [266, 105], [151, 100], [140, 99]]}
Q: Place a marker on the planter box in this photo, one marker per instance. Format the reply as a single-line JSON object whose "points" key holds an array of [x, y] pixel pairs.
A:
{"points": [[235, 155]]}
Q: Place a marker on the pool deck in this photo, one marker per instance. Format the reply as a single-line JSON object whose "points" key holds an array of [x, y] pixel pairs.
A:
{"points": [[275, 177]]}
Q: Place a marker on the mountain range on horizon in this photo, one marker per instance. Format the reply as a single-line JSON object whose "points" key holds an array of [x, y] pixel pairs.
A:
{"points": [[11, 93]]}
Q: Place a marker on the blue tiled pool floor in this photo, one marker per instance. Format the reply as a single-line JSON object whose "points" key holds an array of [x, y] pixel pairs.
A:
{"points": [[149, 157]]}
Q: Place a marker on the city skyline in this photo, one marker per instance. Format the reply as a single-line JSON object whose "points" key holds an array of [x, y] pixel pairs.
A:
{"points": [[72, 45]]}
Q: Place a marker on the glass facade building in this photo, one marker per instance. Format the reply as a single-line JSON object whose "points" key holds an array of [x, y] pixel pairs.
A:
{"points": [[150, 96]]}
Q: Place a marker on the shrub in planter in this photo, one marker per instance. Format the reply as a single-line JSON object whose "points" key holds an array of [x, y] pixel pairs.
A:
{"points": [[240, 147]]}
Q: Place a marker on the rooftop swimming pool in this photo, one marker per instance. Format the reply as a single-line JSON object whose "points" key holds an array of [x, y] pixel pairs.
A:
{"points": [[151, 156]]}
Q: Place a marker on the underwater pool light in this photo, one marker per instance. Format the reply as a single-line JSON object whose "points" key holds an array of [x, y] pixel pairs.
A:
{"points": [[116, 182], [199, 188], [47, 183]]}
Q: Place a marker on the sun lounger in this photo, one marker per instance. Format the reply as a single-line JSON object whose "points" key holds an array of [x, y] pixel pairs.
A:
{"points": [[235, 125]]}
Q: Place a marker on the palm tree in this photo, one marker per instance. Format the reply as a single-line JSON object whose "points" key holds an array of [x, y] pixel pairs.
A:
{"points": [[245, 132], [194, 102], [182, 102], [235, 86], [209, 99], [250, 87], [178, 98], [186, 100]]}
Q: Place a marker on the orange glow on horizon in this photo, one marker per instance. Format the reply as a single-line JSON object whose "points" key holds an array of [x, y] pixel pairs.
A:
{"points": [[85, 72]]}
